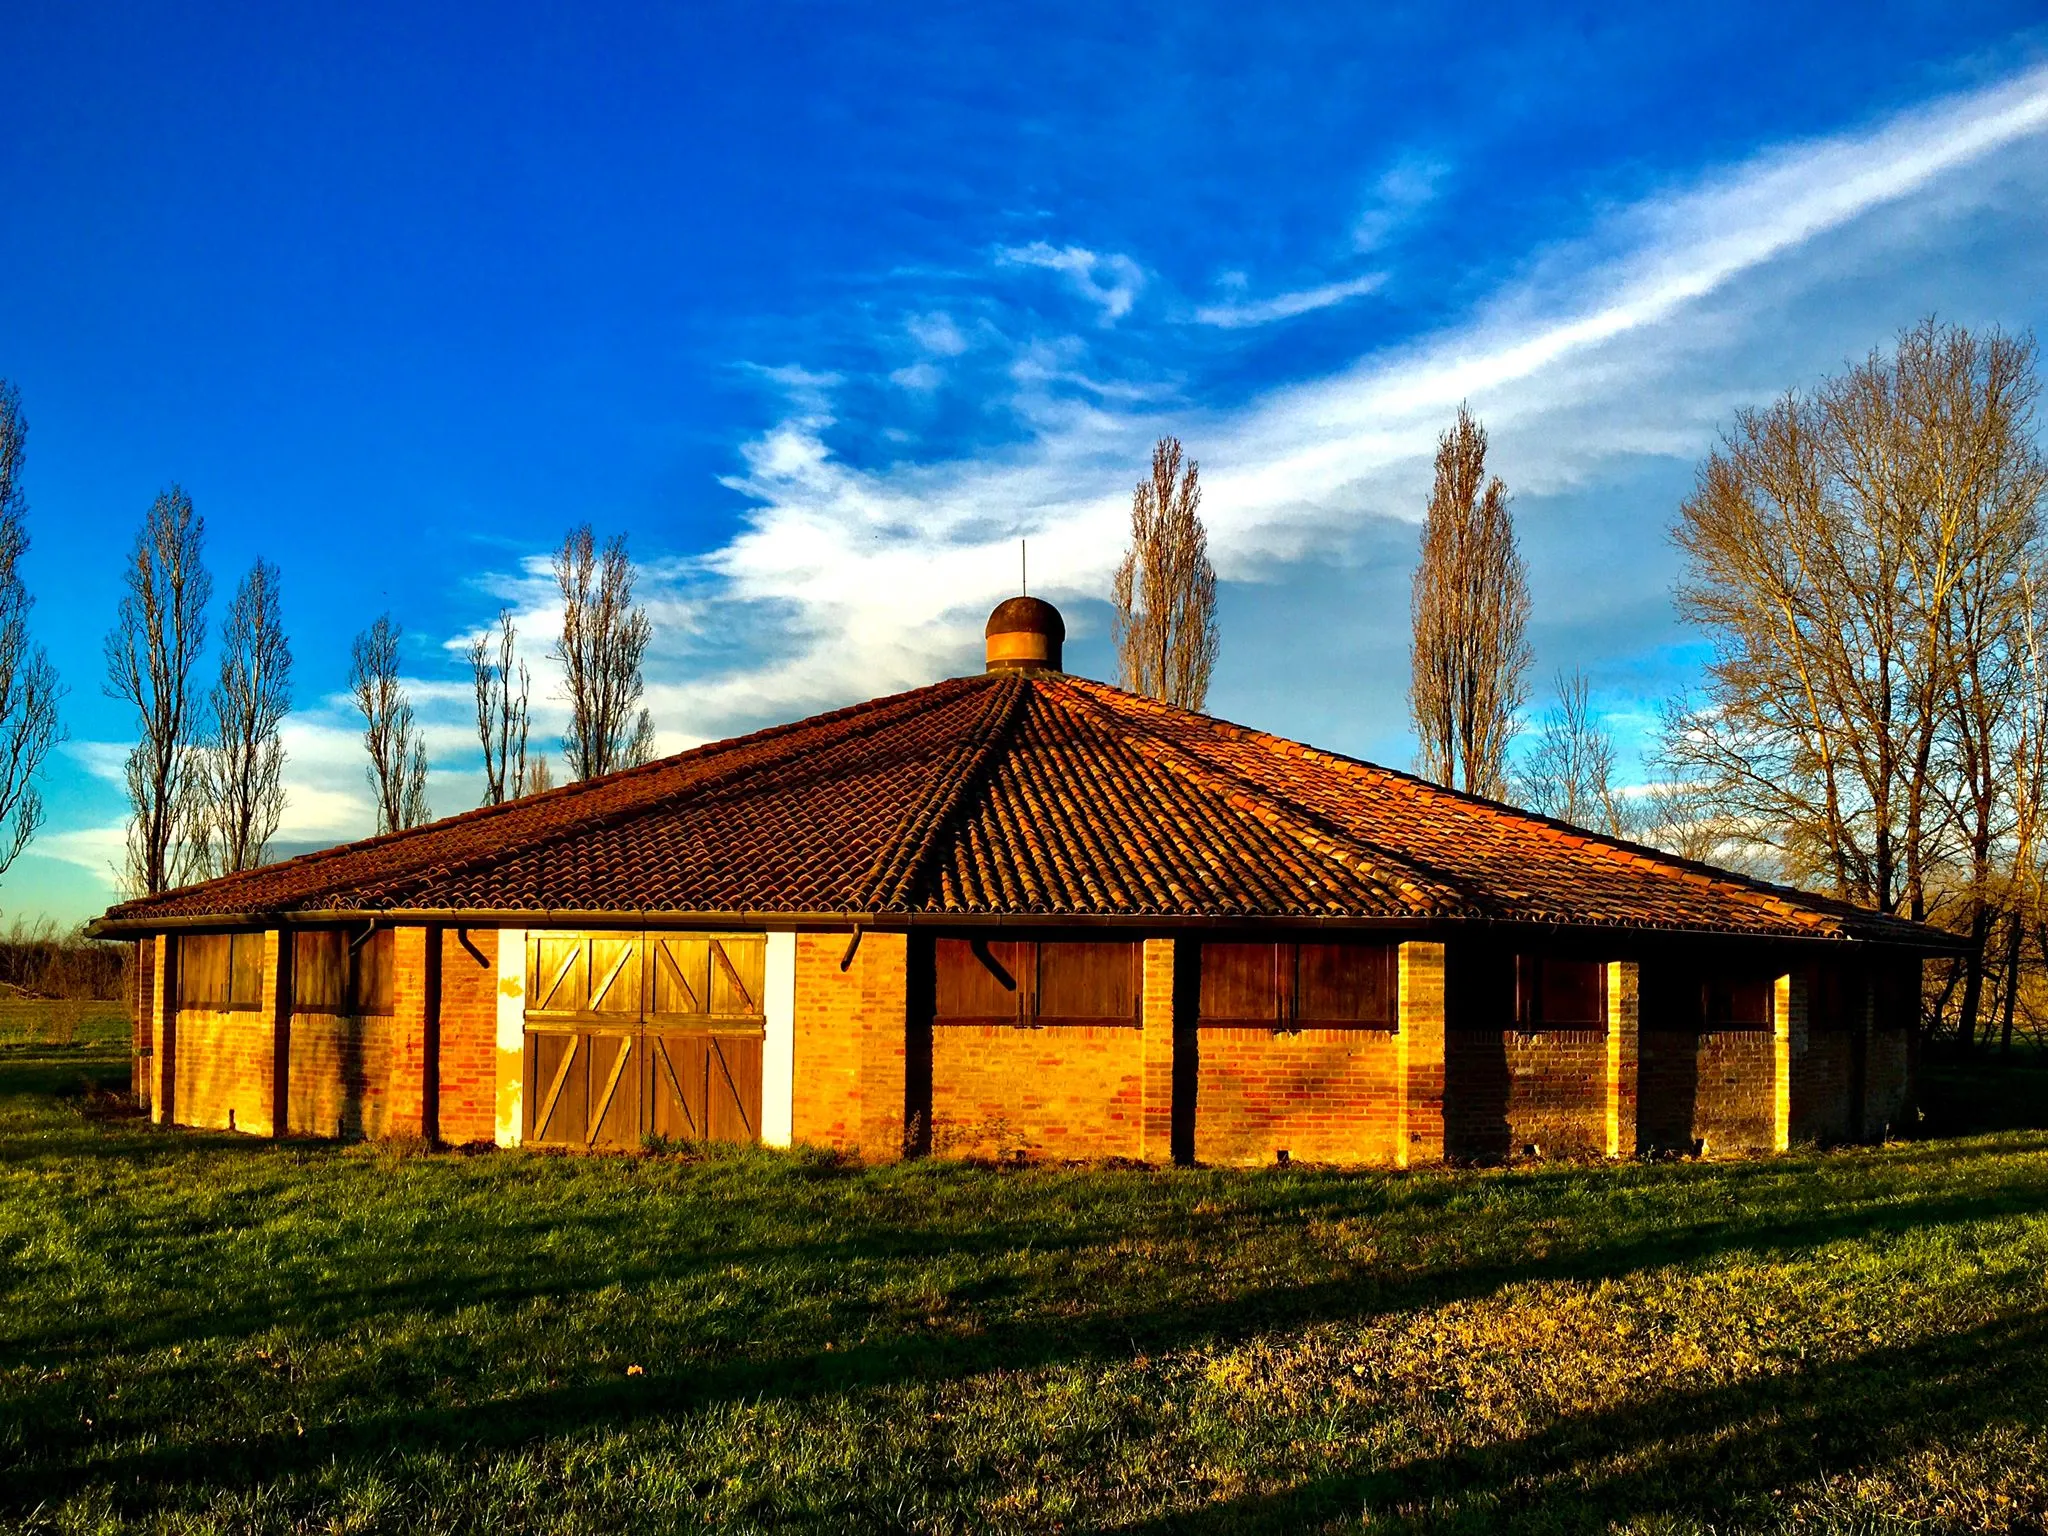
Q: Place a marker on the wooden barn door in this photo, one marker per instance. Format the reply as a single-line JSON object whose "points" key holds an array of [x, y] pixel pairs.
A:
{"points": [[704, 1032], [629, 1036]]}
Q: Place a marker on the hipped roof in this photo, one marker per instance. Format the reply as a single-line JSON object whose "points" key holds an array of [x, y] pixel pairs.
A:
{"points": [[1032, 795]]}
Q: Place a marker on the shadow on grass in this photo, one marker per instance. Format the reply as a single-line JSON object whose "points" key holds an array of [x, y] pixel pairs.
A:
{"points": [[1701, 1455], [65, 1461]]}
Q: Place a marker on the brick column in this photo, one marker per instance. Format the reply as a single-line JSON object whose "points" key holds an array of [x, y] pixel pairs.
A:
{"points": [[884, 965], [1788, 1045], [163, 1023], [509, 1090], [142, 1024], [1155, 1020], [1624, 1021], [1419, 1057], [274, 1025], [405, 1094]]}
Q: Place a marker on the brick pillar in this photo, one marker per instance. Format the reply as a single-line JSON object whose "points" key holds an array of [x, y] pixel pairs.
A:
{"points": [[509, 1091], [163, 1021], [1624, 1020], [884, 965], [1155, 1020], [1419, 1057], [142, 1023], [405, 1093], [274, 1025], [1788, 1045]]}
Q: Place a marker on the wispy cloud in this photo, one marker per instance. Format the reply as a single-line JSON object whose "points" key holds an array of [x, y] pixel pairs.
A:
{"points": [[1110, 281], [882, 573], [1285, 306], [1401, 191]]}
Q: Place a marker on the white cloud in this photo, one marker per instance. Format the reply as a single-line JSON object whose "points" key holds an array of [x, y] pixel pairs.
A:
{"points": [[885, 573], [919, 377], [1285, 306], [937, 334], [1407, 186], [1109, 281]]}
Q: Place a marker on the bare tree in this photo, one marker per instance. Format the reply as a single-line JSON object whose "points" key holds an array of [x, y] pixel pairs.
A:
{"points": [[28, 683], [398, 752], [539, 777], [1165, 599], [1569, 772], [158, 634], [1860, 558], [1470, 607], [243, 764], [501, 711], [604, 641]]}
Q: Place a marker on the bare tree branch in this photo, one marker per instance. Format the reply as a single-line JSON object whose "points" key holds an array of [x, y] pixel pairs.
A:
{"points": [[28, 683], [242, 785], [501, 711], [1165, 599], [604, 640], [398, 754], [1470, 607], [158, 634], [1569, 772]]}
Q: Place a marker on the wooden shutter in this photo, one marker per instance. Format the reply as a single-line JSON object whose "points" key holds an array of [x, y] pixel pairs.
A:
{"points": [[320, 970], [203, 967], [245, 970], [979, 981], [613, 966], [371, 962], [1737, 1002], [1240, 983], [1088, 981], [1556, 993], [1345, 984]]}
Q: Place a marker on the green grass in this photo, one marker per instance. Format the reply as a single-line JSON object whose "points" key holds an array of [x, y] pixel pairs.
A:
{"points": [[200, 1332]]}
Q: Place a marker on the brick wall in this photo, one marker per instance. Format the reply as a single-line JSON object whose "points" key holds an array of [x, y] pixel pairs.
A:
{"points": [[340, 1071], [1733, 1096], [884, 966], [223, 1069], [1823, 1085], [1061, 1092], [1888, 1080], [1508, 1091], [468, 1056], [825, 1097], [410, 1064], [1322, 1095]]}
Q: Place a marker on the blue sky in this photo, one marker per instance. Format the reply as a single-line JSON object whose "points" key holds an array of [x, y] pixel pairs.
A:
{"points": [[826, 306]]}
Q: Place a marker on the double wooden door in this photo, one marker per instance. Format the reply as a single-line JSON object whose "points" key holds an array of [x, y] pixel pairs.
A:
{"points": [[636, 1035]]}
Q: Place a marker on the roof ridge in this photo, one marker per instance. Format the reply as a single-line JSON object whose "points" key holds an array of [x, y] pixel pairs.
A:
{"points": [[1787, 901], [894, 872], [1426, 891]]}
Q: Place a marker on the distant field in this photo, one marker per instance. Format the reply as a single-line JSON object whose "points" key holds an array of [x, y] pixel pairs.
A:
{"points": [[205, 1333]]}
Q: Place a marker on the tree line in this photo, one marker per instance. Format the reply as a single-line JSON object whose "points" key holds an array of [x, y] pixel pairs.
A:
{"points": [[1867, 561]]}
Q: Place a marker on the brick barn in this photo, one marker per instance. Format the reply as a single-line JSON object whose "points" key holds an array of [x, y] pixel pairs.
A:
{"points": [[1022, 914]]}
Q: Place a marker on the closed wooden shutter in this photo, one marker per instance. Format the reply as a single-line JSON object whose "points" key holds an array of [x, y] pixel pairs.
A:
{"points": [[1552, 992], [1336, 984], [980, 981], [320, 970], [1087, 982], [1031, 982], [1345, 984]]}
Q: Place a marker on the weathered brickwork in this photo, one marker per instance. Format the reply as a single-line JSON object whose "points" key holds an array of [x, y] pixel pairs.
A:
{"points": [[1421, 1049], [1070, 1091], [142, 1020], [1888, 1080], [340, 1071], [884, 963], [1320, 1095], [1733, 1096], [1157, 1024], [224, 1069], [825, 1099], [409, 1065], [468, 1035], [1515, 1093], [1824, 1086], [1623, 1095]]}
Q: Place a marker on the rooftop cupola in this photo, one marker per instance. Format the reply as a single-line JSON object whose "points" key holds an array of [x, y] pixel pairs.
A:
{"points": [[1025, 632]]}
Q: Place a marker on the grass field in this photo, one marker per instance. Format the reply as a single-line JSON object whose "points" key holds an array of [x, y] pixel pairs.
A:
{"points": [[200, 1332]]}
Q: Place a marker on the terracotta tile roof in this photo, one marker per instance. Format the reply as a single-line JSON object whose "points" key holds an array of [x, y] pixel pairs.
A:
{"points": [[1018, 793]]}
